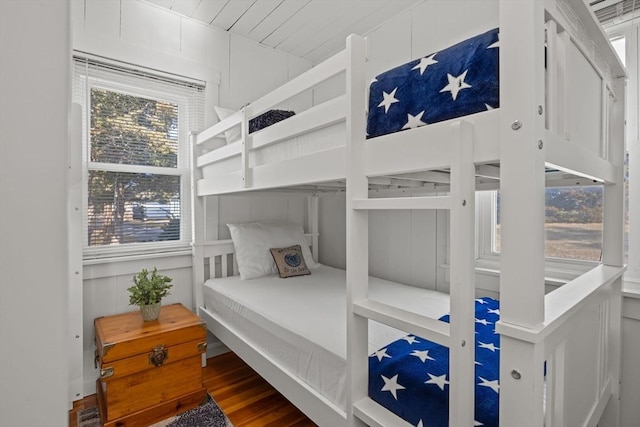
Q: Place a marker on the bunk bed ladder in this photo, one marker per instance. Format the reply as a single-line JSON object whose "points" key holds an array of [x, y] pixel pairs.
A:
{"points": [[459, 334]]}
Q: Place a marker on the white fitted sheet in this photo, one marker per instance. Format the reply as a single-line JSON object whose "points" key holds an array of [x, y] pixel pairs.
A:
{"points": [[301, 321]]}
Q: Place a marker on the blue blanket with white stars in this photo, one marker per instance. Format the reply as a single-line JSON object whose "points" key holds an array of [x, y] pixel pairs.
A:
{"points": [[410, 376], [457, 81]]}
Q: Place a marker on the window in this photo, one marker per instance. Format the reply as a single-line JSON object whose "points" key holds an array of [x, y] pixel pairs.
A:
{"points": [[136, 157], [573, 222], [619, 44]]}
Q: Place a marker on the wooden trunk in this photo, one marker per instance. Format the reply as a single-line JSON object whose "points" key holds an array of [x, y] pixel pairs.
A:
{"points": [[149, 370]]}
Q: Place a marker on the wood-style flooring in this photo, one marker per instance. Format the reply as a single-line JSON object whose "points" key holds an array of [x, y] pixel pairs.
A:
{"points": [[247, 399]]}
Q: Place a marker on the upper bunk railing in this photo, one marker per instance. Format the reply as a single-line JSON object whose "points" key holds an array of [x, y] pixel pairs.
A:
{"points": [[306, 81]]}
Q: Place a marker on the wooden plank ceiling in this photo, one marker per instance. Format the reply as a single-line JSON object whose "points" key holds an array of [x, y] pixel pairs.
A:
{"points": [[316, 29], [309, 29]]}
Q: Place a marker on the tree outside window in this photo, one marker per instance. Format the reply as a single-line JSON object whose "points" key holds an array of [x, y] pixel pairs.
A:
{"points": [[125, 207]]}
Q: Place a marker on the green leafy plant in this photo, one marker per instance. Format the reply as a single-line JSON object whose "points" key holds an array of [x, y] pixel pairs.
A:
{"points": [[149, 290]]}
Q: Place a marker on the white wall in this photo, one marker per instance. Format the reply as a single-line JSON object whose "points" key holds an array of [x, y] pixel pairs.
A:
{"points": [[142, 34], [406, 247], [34, 105]]}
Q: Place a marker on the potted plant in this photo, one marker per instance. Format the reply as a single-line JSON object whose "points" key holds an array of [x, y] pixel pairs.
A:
{"points": [[147, 292]]}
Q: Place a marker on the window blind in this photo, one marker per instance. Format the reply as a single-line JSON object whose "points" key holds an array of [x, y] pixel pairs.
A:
{"points": [[135, 151]]}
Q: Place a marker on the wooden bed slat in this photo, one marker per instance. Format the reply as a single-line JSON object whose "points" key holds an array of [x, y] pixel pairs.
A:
{"points": [[326, 114], [219, 128], [434, 202], [407, 321]]}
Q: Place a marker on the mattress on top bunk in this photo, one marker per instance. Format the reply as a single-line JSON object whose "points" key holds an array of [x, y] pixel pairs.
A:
{"points": [[301, 322]]}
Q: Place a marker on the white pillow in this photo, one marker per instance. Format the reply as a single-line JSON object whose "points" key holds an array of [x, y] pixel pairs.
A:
{"points": [[252, 243], [233, 134]]}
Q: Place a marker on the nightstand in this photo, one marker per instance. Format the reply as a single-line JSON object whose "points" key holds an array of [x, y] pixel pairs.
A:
{"points": [[149, 371]]}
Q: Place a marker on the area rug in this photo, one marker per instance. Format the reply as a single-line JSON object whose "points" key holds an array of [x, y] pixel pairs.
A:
{"points": [[205, 415]]}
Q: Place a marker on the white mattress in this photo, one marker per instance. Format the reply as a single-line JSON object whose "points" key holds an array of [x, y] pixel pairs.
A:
{"points": [[301, 321]]}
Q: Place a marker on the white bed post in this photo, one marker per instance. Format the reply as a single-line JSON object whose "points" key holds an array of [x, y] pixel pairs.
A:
{"points": [[522, 182], [247, 181], [357, 228], [312, 224], [197, 226], [612, 242], [462, 284]]}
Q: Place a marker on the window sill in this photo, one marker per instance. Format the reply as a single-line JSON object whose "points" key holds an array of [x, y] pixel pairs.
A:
{"points": [[111, 255], [556, 273], [631, 288]]}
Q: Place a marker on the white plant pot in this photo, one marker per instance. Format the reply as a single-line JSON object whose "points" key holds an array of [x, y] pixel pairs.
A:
{"points": [[150, 312]]}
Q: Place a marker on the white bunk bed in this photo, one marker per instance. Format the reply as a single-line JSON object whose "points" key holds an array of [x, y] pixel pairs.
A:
{"points": [[573, 332]]}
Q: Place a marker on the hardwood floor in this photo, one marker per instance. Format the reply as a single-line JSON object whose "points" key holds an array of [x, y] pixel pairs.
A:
{"points": [[247, 399]]}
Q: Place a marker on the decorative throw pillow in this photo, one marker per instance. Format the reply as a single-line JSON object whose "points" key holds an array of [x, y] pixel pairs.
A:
{"points": [[290, 261], [233, 134], [252, 241]]}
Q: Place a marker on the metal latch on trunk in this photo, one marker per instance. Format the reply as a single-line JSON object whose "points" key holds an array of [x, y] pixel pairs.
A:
{"points": [[106, 372], [158, 355]]}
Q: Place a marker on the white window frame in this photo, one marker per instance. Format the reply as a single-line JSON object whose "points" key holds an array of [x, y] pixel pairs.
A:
{"points": [[630, 30], [558, 270], [130, 251]]}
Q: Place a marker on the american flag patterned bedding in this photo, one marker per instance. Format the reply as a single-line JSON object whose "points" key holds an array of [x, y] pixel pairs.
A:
{"points": [[410, 376], [457, 81]]}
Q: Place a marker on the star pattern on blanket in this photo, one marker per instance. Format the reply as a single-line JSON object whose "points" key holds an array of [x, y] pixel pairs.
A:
{"points": [[389, 99], [414, 121], [424, 63], [484, 322], [440, 380], [410, 339], [456, 84], [453, 82], [488, 346], [391, 385], [422, 355], [380, 354], [411, 377], [493, 385]]}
